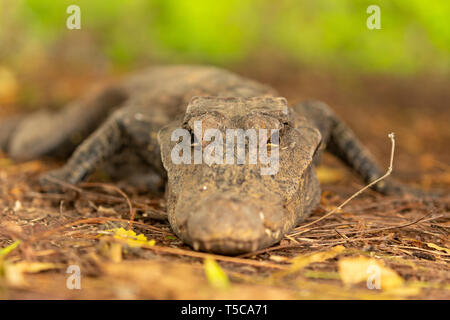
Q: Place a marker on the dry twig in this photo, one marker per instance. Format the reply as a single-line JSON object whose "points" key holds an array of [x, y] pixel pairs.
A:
{"points": [[338, 208]]}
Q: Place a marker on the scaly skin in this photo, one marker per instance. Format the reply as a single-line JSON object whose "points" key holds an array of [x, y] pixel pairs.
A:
{"points": [[228, 209]]}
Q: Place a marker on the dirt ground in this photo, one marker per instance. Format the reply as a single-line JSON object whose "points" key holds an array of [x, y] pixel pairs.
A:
{"points": [[403, 240]]}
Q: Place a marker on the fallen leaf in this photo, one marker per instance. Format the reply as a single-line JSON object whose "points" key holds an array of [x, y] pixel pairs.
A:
{"points": [[215, 274], [376, 275], [301, 261], [4, 251], [132, 239], [8, 86], [115, 252], [35, 267], [278, 258], [5, 162], [329, 175], [14, 273], [107, 211], [435, 246], [321, 275]]}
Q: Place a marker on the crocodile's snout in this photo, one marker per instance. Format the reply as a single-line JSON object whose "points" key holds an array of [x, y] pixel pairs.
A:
{"points": [[231, 225]]}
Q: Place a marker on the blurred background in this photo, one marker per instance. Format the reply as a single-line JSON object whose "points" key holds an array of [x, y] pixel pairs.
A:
{"points": [[392, 79]]}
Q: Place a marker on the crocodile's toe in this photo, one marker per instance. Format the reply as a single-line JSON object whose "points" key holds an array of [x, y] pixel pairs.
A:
{"points": [[392, 187], [54, 181]]}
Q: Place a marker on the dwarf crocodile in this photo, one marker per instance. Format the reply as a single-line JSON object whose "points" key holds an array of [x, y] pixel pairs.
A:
{"points": [[227, 209]]}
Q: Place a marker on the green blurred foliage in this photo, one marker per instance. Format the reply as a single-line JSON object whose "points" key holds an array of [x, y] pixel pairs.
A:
{"points": [[414, 35]]}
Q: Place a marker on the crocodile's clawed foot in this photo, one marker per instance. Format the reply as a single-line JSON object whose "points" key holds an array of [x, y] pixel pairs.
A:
{"points": [[419, 193], [54, 181], [395, 188]]}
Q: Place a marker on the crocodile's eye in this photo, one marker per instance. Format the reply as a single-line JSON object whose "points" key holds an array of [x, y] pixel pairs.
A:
{"points": [[207, 121], [198, 125], [262, 121], [266, 122], [274, 139]]}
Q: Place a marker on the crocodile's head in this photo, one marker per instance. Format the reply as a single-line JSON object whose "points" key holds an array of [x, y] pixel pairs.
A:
{"points": [[224, 198]]}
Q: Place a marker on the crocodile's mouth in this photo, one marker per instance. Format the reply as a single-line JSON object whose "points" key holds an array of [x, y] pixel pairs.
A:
{"points": [[231, 225], [228, 246]]}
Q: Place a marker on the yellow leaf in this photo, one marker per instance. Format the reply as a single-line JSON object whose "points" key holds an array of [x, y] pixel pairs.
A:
{"points": [[8, 86], [35, 267], [131, 238], [435, 246], [356, 270], [14, 273], [329, 175], [115, 252], [215, 274], [278, 258], [4, 251], [107, 211], [5, 162], [301, 261]]}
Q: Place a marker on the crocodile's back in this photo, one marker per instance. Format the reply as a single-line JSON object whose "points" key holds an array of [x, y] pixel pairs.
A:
{"points": [[160, 93], [171, 87]]}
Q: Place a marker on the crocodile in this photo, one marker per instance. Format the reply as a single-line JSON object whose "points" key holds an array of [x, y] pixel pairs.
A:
{"points": [[221, 208]]}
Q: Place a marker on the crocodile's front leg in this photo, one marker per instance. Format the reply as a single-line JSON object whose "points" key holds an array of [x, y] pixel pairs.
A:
{"points": [[124, 127], [340, 140]]}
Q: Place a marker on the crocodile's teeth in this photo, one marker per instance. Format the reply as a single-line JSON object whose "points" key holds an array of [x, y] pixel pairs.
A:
{"points": [[254, 246], [196, 245], [268, 232]]}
